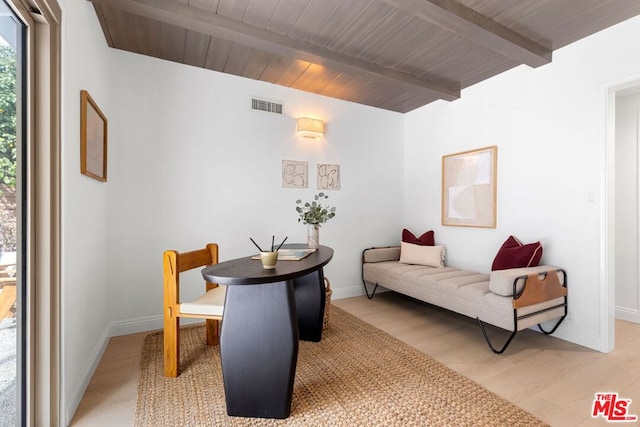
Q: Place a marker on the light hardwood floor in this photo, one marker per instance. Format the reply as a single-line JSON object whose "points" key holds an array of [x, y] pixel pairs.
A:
{"points": [[551, 378]]}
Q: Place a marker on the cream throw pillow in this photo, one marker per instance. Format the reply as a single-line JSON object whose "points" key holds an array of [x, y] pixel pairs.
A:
{"points": [[432, 256]]}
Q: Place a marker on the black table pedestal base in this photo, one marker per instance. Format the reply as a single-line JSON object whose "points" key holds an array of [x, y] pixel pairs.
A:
{"points": [[259, 349], [310, 305]]}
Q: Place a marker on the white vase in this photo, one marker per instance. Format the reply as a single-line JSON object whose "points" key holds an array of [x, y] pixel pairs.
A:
{"points": [[313, 236]]}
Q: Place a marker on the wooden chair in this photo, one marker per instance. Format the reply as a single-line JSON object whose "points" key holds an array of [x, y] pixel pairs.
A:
{"points": [[209, 306]]}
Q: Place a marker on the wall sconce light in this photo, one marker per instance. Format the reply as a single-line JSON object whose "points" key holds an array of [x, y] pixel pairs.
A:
{"points": [[310, 128]]}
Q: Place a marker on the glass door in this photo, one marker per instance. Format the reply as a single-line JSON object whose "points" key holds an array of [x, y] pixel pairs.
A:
{"points": [[12, 294]]}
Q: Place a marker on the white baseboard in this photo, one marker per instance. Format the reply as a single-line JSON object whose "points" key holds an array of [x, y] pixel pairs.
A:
{"points": [[87, 373], [133, 326], [144, 324], [353, 291], [627, 314], [576, 335]]}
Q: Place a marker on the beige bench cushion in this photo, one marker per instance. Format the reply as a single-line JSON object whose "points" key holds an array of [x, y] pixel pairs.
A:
{"points": [[209, 304], [382, 254]]}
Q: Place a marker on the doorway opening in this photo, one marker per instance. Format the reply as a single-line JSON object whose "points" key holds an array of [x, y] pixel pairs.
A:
{"points": [[620, 295], [627, 208]]}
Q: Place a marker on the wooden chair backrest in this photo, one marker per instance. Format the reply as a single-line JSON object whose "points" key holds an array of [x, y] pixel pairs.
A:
{"points": [[176, 263]]}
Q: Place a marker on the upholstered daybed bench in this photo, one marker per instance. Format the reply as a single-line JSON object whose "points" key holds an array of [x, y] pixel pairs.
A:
{"points": [[511, 299]]}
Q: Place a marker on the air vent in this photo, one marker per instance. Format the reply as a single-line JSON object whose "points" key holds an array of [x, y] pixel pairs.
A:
{"points": [[268, 106]]}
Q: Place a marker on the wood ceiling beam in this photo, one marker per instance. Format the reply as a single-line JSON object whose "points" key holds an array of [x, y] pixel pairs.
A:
{"points": [[465, 22], [180, 14]]}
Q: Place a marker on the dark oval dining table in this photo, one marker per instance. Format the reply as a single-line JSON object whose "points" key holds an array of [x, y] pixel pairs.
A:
{"points": [[266, 312]]}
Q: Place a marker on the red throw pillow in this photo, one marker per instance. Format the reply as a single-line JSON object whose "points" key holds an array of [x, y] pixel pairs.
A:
{"points": [[513, 254], [427, 239]]}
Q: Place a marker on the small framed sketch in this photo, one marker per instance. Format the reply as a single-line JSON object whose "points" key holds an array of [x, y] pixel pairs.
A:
{"points": [[328, 177], [469, 188], [295, 174], [93, 139]]}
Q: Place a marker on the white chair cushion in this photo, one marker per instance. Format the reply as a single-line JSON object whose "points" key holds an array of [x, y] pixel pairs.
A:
{"points": [[209, 304]]}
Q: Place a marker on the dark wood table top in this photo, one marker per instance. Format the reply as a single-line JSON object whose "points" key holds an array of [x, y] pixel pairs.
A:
{"points": [[247, 271]]}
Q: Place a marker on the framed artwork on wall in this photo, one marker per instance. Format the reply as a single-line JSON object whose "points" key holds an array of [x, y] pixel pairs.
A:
{"points": [[469, 188], [328, 177], [93, 139], [295, 174]]}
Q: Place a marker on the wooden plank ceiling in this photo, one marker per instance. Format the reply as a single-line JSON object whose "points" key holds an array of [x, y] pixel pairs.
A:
{"points": [[392, 54]]}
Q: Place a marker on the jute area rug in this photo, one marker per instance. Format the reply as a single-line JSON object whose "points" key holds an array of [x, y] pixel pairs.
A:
{"points": [[356, 376]]}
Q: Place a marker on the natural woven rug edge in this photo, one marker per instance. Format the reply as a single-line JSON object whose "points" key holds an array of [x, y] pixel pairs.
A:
{"points": [[357, 375]]}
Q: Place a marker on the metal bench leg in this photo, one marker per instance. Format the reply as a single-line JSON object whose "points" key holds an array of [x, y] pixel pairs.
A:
{"points": [[554, 328], [367, 291], [486, 337]]}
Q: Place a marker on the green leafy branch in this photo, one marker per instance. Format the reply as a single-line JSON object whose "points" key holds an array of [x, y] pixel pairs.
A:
{"points": [[315, 212]]}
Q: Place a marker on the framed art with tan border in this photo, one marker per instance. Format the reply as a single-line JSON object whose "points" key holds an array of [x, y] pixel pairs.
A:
{"points": [[93, 139], [469, 188]]}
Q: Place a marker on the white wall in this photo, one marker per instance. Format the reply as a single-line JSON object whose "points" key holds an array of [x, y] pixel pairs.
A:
{"points": [[626, 211], [549, 126], [192, 163], [85, 310]]}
